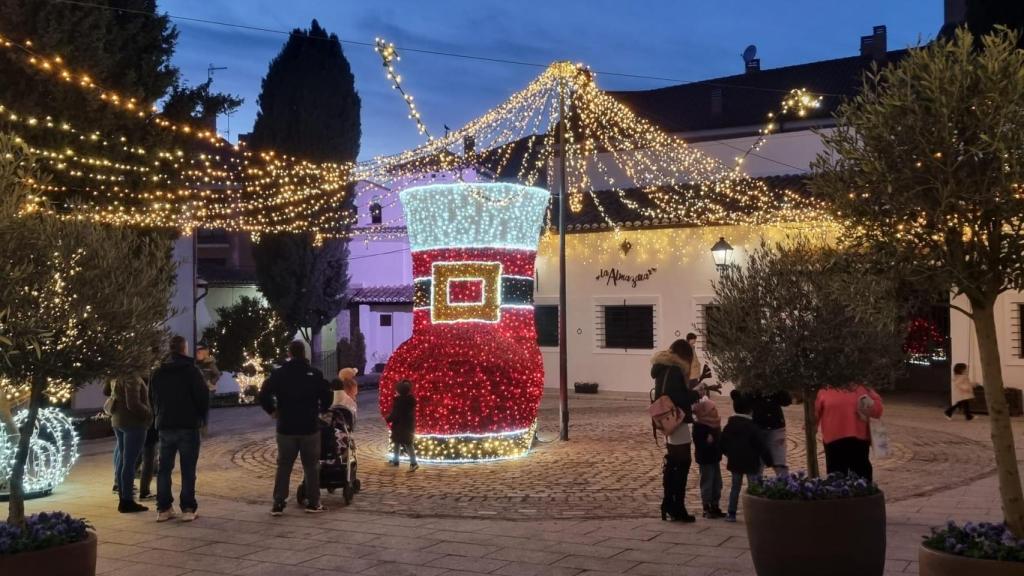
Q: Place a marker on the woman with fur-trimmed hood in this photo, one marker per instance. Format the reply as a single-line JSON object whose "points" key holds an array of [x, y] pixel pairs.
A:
{"points": [[670, 369]]}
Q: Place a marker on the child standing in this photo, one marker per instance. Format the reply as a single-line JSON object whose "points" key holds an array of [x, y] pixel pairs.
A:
{"points": [[403, 423], [744, 447], [707, 430], [962, 394]]}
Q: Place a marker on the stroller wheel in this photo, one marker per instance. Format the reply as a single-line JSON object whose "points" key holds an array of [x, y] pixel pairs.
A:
{"points": [[347, 492], [300, 494], [331, 490]]}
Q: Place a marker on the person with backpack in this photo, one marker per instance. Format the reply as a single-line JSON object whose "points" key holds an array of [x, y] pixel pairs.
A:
{"points": [[672, 412]]}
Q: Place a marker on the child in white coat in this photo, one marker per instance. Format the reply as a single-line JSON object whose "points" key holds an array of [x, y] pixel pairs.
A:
{"points": [[962, 394]]}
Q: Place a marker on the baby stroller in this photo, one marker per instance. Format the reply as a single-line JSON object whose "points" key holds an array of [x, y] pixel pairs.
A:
{"points": [[337, 455]]}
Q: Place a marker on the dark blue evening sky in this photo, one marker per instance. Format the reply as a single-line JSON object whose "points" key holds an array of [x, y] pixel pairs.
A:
{"points": [[680, 39]]}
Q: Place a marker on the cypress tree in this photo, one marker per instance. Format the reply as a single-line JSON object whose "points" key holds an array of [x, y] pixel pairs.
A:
{"points": [[309, 108]]}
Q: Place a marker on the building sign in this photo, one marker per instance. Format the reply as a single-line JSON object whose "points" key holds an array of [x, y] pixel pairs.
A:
{"points": [[612, 276]]}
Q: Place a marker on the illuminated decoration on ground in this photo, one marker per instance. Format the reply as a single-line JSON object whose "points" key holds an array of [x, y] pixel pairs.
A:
{"points": [[924, 344], [249, 377], [473, 357], [389, 55], [53, 450]]}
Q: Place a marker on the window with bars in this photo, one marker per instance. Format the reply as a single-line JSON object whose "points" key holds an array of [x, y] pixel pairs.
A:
{"points": [[626, 326], [546, 318], [1016, 330], [706, 324], [385, 320]]}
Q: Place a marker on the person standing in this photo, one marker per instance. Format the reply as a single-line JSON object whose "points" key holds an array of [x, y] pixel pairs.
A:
{"points": [[843, 415], [294, 395], [207, 364], [670, 370], [707, 431], [771, 421], [181, 402], [962, 393], [403, 424], [744, 448], [130, 417]]}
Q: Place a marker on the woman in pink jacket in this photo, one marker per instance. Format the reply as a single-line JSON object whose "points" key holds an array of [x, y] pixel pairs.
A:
{"points": [[843, 415]]}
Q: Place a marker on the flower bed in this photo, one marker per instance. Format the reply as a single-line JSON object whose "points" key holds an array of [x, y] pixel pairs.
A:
{"points": [[983, 541], [799, 486], [43, 530]]}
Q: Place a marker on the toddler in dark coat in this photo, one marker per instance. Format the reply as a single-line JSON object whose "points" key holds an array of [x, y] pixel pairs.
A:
{"points": [[403, 423], [707, 431], [744, 447]]}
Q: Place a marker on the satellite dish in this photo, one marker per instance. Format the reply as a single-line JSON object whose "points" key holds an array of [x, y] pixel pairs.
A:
{"points": [[749, 54]]}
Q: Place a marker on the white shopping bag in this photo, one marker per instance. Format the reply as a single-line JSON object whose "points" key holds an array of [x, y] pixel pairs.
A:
{"points": [[879, 438]]}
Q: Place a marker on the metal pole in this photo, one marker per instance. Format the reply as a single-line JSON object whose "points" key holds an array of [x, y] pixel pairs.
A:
{"points": [[195, 288], [563, 357]]}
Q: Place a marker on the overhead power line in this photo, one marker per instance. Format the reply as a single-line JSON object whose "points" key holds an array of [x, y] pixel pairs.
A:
{"points": [[475, 57]]}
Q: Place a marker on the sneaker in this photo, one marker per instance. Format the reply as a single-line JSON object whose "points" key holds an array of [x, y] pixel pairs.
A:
{"points": [[949, 416], [188, 515], [277, 510], [414, 467], [165, 515], [315, 509], [147, 496], [393, 463], [130, 507], [730, 518]]}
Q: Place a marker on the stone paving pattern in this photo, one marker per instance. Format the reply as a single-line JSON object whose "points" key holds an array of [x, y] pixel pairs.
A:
{"points": [[940, 460]]}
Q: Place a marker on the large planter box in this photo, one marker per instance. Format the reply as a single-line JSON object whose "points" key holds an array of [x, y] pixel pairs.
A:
{"points": [[935, 563], [1014, 397], [843, 537], [77, 559]]}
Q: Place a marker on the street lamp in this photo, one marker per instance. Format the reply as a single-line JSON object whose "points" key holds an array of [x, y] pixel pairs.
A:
{"points": [[722, 252]]}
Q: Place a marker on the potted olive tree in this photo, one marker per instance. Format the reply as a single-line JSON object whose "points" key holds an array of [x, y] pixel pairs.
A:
{"points": [[926, 167], [64, 322], [800, 317]]}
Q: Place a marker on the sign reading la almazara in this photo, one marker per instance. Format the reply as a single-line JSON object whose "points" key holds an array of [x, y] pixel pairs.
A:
{"points": [[612, 276]]}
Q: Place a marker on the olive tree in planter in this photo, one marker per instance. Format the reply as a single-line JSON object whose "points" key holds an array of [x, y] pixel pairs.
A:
{"points": [[927, 165], [66, 319], [801, 316]]}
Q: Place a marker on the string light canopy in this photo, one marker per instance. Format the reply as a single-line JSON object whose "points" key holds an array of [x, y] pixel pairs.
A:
{"points": [[606, 148]]}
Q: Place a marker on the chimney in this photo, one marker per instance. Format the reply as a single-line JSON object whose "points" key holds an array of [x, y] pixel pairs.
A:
{"points": [[954, 13], [754, 65], [874, 46]]}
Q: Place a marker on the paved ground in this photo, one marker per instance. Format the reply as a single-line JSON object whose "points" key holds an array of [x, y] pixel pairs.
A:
{"points": [[586, 507]]}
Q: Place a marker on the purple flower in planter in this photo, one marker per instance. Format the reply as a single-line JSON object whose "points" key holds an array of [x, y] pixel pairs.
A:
{"points": [[43, 530], [982, 540], [799, 486]]}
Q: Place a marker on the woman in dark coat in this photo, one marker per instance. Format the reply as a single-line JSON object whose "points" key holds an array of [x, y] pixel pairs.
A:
{"points": [[403, 423], [670, 369]]}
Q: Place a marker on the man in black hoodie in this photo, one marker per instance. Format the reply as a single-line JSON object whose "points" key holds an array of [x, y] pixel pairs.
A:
{"points": [[295, 394], [181, 404]]}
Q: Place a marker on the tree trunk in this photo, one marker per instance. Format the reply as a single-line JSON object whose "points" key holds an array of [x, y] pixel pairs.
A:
{"points": [[811, 432], [16, 506], [315, 345], [999, 416]]}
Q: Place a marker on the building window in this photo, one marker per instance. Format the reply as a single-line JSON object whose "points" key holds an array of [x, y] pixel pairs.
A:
{"points": [[376, 213], [385, 320], [706, 325], [546, 318], [626, 327], [212, 262]]}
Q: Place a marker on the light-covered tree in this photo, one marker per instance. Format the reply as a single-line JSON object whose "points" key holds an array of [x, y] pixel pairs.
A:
{"points": [[927, 166], [67, 320], [247, 329]]}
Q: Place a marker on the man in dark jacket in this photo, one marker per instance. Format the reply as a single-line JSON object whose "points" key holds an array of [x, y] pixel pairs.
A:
{"points": [[181, 404], [295, 394]]}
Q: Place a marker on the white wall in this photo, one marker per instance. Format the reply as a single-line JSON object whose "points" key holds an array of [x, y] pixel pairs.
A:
{"points": [[677, 289], [1008, 326]]}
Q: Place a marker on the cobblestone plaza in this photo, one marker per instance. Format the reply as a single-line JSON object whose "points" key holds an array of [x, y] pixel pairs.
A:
{"points": [[588, 506]]}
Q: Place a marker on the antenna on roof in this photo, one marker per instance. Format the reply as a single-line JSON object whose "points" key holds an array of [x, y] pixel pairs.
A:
{"points": [[749, 54]]}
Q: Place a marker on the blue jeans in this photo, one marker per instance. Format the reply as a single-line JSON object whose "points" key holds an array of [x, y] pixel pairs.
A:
{"points": [[126, 455], [736, 488], [711, 485], [183, 442]]}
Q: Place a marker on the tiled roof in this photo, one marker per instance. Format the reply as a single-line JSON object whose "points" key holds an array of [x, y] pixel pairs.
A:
{"points": [[623, 215], [745, 99], [381, 294]]}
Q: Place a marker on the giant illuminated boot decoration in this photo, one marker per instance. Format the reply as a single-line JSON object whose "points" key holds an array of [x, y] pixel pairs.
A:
{"points": [[473, 357]]}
